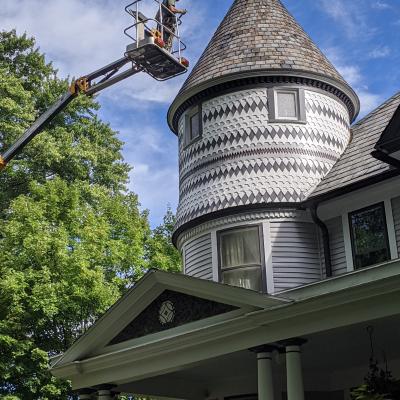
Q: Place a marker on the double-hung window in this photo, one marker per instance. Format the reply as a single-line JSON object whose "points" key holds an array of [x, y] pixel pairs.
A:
{"points": [[240, 257], [369, 236]]}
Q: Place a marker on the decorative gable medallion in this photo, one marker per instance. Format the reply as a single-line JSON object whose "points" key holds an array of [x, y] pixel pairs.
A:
{"points": [[170, 310]]}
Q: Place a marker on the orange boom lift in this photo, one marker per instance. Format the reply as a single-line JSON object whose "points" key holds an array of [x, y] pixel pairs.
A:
{"points": [[147, 53]]}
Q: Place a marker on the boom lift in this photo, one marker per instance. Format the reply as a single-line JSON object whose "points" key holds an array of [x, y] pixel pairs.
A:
{"points": [[147, 53]]}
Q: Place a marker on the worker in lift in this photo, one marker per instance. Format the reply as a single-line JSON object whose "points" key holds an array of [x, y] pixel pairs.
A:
{"points": [[169, 12]]}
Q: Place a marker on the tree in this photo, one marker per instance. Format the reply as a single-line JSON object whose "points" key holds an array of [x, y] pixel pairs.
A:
{"points": [[72, 237], [161, 252]]}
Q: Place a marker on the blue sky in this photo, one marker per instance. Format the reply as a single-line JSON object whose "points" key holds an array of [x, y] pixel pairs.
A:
{"points": [[361, 37]]}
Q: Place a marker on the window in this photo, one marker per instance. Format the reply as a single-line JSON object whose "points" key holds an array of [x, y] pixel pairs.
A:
{"points": [[286, 105], [369, 238], [240, 255], [193, 125]]}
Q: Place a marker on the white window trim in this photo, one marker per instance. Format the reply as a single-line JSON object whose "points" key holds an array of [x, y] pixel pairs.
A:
{"points": [[269, 270], [347, 242], [273, 105], [391, 229], [391, 232]]}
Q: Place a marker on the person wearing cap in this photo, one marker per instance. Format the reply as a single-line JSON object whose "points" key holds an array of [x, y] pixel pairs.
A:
{"points": [[169, 11]]}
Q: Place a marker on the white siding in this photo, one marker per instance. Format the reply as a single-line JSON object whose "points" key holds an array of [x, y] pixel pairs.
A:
{"points": [[295, 254], [198, 258], [336, 242], [396, 219]]}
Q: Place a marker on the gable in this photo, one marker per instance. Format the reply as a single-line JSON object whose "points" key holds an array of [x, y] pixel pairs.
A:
{"points": [[170, 310]]}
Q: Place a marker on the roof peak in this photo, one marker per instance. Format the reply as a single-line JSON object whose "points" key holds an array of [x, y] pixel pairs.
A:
{"points": [[259, 37]]}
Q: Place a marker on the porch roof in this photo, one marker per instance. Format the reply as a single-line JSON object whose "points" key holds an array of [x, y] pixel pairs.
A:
{"points": [[258, 319]]}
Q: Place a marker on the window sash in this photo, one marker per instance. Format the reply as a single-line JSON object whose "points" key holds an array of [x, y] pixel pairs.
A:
{"points": [[278, 111], [238, 266], [274, 115], [366, 256], [194, 127], [240, 247]]}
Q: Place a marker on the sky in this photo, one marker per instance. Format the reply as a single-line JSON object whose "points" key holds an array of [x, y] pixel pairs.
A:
{"points": [[360, 37]]}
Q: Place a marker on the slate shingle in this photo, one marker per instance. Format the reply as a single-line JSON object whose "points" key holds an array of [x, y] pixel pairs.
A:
{"points": [[259, 34], [356, 163]]}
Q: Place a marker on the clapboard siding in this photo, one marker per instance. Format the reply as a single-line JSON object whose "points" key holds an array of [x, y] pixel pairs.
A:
{"points": [[295, 254], [198, 258], [396, 218], [336, 242]]}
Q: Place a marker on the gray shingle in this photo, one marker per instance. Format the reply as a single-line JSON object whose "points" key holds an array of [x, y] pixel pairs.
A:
{"points": [[259, 34], [356, 163]]}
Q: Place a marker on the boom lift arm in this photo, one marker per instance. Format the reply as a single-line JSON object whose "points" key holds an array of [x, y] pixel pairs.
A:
{"points": [[85, 85], [146, 53]]}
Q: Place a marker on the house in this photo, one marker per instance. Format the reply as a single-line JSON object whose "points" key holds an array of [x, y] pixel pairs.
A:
{"points": [[289, 227]]}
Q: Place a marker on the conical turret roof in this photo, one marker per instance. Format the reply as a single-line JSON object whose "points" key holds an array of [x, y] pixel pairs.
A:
{"points": [[260, 37]]}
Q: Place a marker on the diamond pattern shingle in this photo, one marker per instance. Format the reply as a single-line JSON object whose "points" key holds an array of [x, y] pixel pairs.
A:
{"points": [[257, 35], [356, 163]]}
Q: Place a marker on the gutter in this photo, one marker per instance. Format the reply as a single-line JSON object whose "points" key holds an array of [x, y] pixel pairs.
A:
{"points": [[382, 156], [325, 239]]}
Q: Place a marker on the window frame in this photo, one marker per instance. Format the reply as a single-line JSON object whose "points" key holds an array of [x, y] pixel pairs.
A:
{"points": [[262, 254], [352, 238], [273, 105], [188, 125]]}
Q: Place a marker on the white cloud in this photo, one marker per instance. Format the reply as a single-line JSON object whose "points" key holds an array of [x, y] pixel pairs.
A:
{"points": [[369, 101], [350, 15], [79, 36], [380, 52], [381, 5], [354, 77]]}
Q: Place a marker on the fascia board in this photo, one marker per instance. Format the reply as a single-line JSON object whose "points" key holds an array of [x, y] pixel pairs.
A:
{"points": [[114, 320], [358, 292], [219, 292], [371, 275], [157, 347], [296, 319], [145, 291]]}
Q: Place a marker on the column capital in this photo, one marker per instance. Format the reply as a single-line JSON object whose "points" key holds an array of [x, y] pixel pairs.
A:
{"points": [[264, 348], [85, 394], [106, 386], [293, 342]]}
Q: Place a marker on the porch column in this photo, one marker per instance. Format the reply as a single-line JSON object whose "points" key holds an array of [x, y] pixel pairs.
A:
{"points": [[104, 392], [104, 395], [86, 394], [264, 372], [294, 373]]}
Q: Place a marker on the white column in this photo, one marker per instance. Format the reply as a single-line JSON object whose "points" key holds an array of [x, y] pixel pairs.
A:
{"points": [[294, 372], [104, 395], [265, 379]]}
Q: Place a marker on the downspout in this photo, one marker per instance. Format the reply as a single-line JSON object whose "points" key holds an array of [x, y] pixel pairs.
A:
{"points": [[325, 239]]}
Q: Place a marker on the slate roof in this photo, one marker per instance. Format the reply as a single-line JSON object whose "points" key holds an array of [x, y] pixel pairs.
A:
{"points": [[390, 139], [356, 163], [259, 35]]}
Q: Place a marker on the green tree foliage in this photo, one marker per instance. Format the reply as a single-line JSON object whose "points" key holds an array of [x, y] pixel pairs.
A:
{"points": [[72, 238], [162, 253]]}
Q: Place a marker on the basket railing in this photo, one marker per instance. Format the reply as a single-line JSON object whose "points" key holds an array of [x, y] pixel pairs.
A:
{"points": [[149, 25]]}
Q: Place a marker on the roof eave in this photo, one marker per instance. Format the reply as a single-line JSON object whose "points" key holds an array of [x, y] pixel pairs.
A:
{"points": [[185, 95]]}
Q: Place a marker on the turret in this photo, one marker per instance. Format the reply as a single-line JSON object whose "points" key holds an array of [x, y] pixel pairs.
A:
{"points": [[261, 120]]}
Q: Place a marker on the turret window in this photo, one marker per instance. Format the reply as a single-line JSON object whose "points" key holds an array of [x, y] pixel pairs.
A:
{"points": [[193, 125], [240, 257], [286, 105], [369, 236]]}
